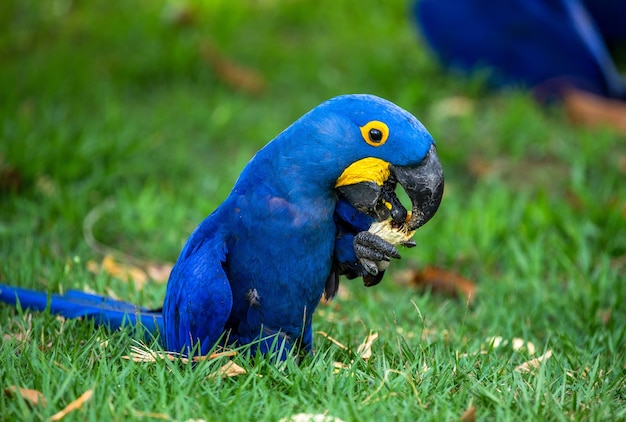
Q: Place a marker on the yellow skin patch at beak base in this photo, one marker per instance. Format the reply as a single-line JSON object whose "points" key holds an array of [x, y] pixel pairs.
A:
{"points": [[368, 169]]}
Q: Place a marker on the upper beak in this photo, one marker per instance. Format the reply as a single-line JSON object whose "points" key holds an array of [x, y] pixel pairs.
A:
{"points": [[424, 187], [422, 183]]}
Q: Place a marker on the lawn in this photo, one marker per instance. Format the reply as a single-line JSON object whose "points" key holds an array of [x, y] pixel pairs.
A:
{"points": [[123, 124]]}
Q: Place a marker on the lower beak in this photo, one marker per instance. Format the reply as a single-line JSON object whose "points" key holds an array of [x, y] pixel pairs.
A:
{"points": [[422, 183]]}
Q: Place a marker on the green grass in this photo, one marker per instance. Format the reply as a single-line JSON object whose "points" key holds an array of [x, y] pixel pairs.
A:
{"points": [[110, 101]]}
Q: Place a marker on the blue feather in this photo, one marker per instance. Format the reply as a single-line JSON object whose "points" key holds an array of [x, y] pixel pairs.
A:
{"points": [[75, 304]]}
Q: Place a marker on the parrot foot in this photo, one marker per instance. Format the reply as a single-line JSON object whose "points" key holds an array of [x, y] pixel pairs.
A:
{"points": [[373, 252]]}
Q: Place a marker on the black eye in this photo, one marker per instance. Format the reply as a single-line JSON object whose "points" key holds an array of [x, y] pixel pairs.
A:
{"points": [[375, 135]]}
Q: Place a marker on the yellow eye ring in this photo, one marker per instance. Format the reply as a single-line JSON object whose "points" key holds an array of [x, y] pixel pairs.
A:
{"points": [[375, 133]]}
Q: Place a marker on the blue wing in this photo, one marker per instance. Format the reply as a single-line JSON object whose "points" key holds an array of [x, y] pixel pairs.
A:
{"points": [[199, 299]]}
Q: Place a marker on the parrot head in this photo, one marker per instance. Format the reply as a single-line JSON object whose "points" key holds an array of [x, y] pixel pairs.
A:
{"points": [[387, 147], [362, 147]]}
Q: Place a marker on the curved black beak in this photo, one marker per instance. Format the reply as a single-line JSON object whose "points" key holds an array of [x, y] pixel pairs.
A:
{"points": [[424, 187], [423, 184]]}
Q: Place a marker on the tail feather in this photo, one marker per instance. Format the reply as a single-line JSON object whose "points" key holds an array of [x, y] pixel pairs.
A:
{"points": [[76, 304]]}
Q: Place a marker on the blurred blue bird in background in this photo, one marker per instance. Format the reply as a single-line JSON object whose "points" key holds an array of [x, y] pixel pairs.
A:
{"points": [[550, 46]]}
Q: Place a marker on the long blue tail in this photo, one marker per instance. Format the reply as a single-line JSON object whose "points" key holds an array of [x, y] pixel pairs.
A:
{"points": [[75, 304]]}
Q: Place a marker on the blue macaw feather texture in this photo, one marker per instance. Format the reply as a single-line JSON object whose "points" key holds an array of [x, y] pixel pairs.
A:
{"points": [[76, 304], [551, 45], [255, 269]]}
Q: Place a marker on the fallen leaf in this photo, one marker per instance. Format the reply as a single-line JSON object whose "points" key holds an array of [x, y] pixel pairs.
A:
{"points": [[520, 344], [481, 167], [469, 415], [18, 337], [574, 200], [152, 415], [32, 397], [365, 348], [440, 281], [339, 366], [329, 338], [592, 110], [496, 341], [93, 267], [179, 14], [144, 354], [533, 363], [605, 315], [24, 329], [159, 272], [124, 272], [310, 417], [465, 355], [131, 273], [517, 344], [229, 369], [121, 271], [231, 73], [10, 178], [75, 405]]}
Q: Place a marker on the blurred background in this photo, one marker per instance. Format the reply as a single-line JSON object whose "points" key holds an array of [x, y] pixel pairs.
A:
{"points": [[123, 124]]}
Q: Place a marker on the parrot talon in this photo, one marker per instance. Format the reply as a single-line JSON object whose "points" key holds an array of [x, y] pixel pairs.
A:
{"points": [[369, 265], [409, 244], [371, 251], [374, 243], [367, 252]]}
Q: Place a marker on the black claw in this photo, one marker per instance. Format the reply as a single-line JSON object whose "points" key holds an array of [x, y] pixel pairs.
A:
{"points": [[364, 251], [409, 244], [370, 266], [375, 243], [373, 247], [370, 280]]}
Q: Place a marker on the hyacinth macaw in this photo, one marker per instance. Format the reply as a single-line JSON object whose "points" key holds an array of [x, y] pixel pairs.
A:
{"points": [[297, 218], [548, 45]]}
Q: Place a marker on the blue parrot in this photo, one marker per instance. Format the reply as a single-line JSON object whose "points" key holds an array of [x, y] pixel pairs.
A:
{"points": [[548, 45], [295, 221]]}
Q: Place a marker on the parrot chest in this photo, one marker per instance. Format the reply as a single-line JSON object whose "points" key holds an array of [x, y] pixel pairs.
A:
{"points": [[278, 265]]}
